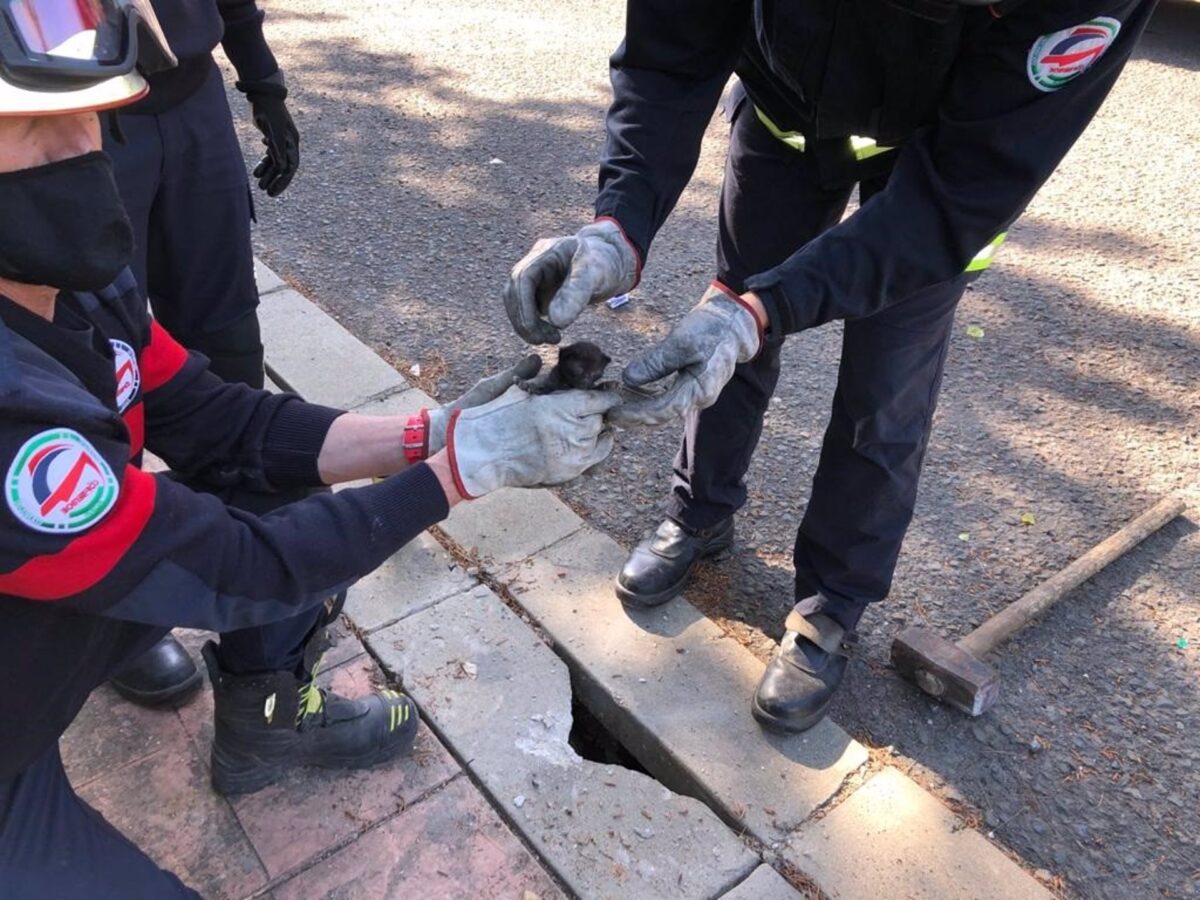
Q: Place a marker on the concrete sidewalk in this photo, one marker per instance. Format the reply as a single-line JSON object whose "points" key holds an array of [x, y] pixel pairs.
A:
{"points": [[504, 628]]}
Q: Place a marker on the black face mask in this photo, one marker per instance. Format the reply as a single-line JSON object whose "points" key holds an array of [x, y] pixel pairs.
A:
{"points": [[63, 225]]}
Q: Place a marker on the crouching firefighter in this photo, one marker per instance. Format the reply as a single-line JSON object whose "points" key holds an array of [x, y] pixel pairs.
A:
{"points": [[948, 115], [98, 559]]}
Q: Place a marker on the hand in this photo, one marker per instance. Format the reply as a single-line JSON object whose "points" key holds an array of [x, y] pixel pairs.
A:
{"points": [[549, 288], [274, 172], [484, 391], [721, 331], [524, 441]]}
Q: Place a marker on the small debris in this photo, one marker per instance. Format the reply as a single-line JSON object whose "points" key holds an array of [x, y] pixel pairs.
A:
{"points": [[1035, 746], [618, 301], [1028, 518], [467, 670], [1182, 643], [974, 331], [964, 535], [495, 161], [415, 371], [519, 801], [644, 833]]}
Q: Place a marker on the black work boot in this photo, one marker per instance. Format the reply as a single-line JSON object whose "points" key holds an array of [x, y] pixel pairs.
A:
{"points": [[266, 724], [163, 674], [659, 566], [799, 683]]}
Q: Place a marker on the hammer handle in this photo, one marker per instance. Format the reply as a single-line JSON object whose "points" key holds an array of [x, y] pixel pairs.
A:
{"points": [[1019, 613]]}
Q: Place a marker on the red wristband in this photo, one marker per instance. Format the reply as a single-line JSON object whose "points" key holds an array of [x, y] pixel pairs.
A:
{"points": [[416, 437]]}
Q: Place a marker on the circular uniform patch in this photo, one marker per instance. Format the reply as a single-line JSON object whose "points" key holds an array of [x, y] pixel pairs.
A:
{"points": [[59, 483], [1055, 59], [129, 377]]}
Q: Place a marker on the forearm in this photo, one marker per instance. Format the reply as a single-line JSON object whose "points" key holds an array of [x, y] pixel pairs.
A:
{"points": [[244, 42], [359, 446], [667, 77]]}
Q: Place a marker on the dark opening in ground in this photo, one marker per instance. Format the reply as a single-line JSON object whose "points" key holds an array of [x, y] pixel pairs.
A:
{"points": [[591, 740]]}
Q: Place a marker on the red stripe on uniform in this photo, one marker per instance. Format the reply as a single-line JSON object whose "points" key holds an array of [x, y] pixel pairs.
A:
{"points": [[135, 421], [90, 557], [161, 359]]}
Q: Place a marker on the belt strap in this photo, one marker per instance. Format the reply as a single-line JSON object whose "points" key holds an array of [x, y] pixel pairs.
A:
{"points": [[820, 630]]}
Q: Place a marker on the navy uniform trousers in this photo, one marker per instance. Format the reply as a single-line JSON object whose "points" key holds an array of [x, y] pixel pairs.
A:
{"points": [[865, 486], [183, 182]]}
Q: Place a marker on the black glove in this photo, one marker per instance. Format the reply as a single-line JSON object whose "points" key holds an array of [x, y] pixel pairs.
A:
{"points": [[282, 140]]}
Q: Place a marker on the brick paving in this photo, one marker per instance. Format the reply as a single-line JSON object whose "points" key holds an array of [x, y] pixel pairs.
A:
{"points": [[414, 827]]}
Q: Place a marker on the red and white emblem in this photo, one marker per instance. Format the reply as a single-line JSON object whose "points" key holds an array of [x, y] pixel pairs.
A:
{"points": [[1060, 57], [129, 377]]}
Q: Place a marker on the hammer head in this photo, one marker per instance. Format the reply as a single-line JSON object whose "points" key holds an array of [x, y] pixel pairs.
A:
{"points": [[945, 670]]}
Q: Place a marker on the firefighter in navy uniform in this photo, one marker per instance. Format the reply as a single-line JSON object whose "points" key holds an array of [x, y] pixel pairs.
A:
{"points": [[948, 115], [183, 182], [98, 559]]}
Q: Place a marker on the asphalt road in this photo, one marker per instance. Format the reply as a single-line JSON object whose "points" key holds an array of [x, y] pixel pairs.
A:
{"points": [[440, 139]]}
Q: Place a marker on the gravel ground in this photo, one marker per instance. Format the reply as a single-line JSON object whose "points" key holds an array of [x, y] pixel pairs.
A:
{"points": [[440, 141]]}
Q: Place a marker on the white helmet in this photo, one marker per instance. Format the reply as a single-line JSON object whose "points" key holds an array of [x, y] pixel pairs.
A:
{"points": [[65, 56]]}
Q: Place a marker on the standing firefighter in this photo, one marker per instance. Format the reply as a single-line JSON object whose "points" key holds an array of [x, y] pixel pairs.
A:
{"points": [[182, 179], [98, 558], [948, 115]]}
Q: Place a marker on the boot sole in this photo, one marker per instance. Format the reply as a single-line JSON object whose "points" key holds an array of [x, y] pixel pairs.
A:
{"points": [[649, 601], [779, 725], [231, 780], [173, 694]]}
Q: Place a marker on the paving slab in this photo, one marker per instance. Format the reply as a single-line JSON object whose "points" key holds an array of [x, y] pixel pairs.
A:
{"points": [[892, 839], [308, 352], [449, 846], [163, 804], [404, 404], [298, 819], [676, 690], [265, 278], [510, 524], [111, 732], [501, 699], [416, 577], [764, 883]]}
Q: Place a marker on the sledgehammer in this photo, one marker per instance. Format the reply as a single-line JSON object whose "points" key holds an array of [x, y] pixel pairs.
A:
{"points": [[956, 673]]}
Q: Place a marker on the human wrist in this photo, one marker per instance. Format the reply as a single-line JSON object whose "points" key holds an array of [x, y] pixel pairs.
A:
{"points": [[754, 303], [439, 463]]}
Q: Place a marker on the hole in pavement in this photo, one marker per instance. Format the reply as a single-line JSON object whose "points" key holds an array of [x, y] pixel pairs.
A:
{"points": [[595, 743]]}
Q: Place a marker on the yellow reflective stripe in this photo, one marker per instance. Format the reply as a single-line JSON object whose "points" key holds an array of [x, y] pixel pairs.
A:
{"points": [[865, 148], [861, 147], [984, 257], [793, 139]]}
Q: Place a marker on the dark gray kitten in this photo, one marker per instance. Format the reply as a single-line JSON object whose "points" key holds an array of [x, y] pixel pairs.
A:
{"points": [[579, 367]]}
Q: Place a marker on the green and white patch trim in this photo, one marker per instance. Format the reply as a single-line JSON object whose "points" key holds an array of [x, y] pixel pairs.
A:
{"points": [[59, 483]]}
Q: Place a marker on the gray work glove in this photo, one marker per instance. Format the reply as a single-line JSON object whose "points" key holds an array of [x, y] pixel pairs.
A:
{"points": [[485, 391], [550, 287], [706, 345], [521, 440]]}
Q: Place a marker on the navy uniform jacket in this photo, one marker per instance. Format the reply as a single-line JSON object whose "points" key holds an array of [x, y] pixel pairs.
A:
{"points": [[97, 557], [982, 102]]}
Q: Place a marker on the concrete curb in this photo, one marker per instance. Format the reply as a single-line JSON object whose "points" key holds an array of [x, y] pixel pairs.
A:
{"points": [[668, 683]]}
